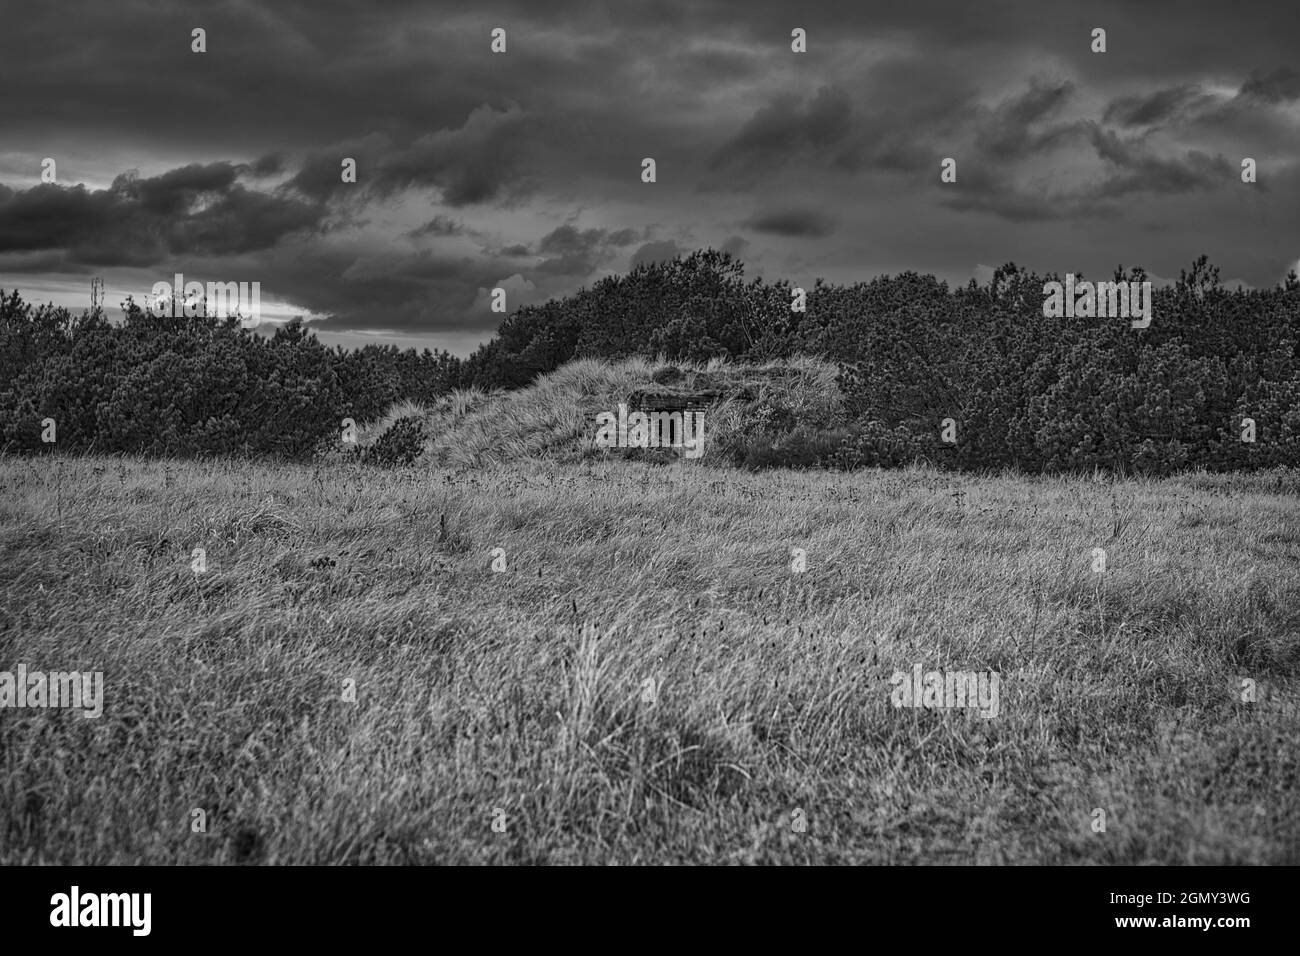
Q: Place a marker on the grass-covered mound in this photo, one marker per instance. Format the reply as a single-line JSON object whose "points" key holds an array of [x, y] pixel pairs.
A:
{"points": [[787, 413]]}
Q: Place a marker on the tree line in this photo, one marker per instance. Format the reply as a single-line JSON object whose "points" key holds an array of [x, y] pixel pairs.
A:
{"points": [[973, 376]]}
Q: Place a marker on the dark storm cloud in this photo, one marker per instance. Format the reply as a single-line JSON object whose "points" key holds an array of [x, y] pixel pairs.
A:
{"points": [[321, 173], [269, 165], [578, 253], [566, 240], [1276, 86], [197, 209], [439, 226], [1158, 107], [1013, 128], [794, 223], [474, 164], [522, 168], [785, 129], [412, 65], [384, 289], [1136, 169], [1131, 168], [1013, 205], [484, 160], [655, 252], [1193, 102], [409, 291], [736, 245], [573, 252], [174, 192]]}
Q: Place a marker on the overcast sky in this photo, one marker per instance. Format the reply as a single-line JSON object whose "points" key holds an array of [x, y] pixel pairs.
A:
{"points": [[523, 169]]}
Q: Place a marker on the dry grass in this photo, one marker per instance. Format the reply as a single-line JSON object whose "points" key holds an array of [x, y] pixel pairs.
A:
{"points": [[522, 690]]}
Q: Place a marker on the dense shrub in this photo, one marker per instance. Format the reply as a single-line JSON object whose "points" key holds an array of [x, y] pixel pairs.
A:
{"points": [[400, 444], [191, 386]]}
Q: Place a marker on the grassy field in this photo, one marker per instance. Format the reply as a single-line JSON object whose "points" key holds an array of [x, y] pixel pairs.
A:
{"points": [[520, 696]]}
